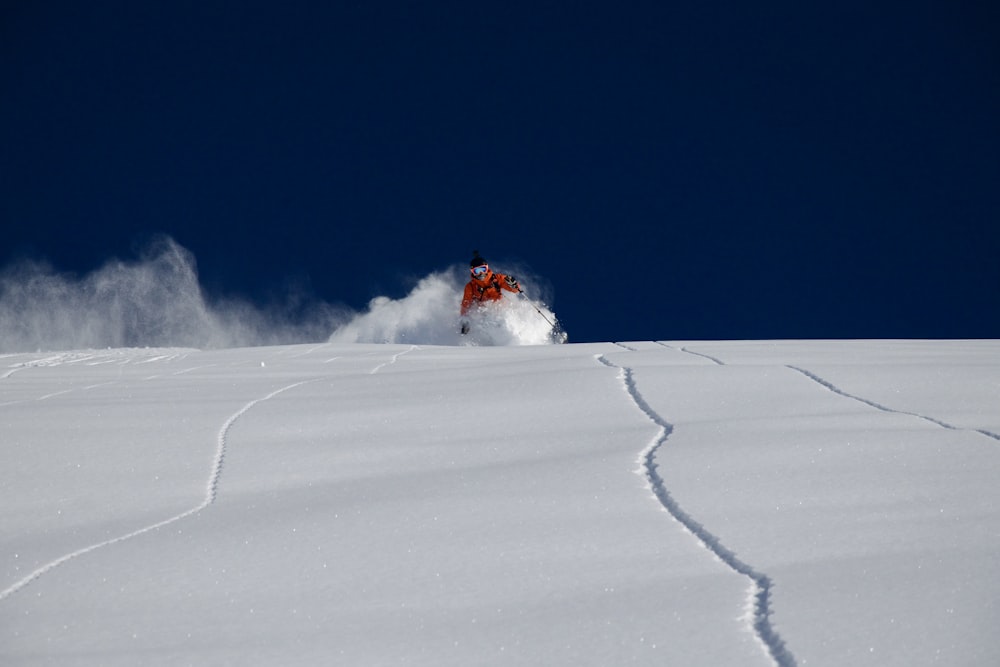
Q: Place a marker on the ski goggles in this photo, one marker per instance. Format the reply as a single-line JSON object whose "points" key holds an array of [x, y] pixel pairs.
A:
{"points": [[480, 271]]}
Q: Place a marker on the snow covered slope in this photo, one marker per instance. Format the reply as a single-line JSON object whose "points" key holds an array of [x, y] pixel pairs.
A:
{"points": [[727, 503]]}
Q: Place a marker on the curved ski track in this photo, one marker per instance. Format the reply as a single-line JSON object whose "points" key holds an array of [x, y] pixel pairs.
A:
{"points": [[717, 362], [394, 359], [840, 392], [759, 599], [211, 487], [210, 495]]}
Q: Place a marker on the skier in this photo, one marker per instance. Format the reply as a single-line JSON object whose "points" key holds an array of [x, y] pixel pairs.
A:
{"points": [[484, 286]]}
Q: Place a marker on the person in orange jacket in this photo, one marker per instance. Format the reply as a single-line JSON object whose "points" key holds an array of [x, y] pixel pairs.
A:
{"points": [[485, 286]]}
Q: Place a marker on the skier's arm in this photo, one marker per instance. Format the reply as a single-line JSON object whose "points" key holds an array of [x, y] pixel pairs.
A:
{"points": [[509, 283]]}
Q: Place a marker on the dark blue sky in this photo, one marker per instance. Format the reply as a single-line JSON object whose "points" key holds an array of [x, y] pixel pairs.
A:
{"points": [[675, 170]]}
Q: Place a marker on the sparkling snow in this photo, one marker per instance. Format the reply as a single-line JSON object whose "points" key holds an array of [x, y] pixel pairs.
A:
{"points": [[654, 503]]}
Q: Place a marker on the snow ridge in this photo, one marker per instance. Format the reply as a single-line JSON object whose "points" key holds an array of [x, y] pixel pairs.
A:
{"points": [[759, 600], [210, 495], [878, 406]]}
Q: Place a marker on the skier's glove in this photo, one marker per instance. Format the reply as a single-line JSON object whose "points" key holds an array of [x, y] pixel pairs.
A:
{"points": [[512, 281], [465, 327]]}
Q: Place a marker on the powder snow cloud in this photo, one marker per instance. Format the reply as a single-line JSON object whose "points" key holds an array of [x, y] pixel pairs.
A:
{"points": [[156, 300]]}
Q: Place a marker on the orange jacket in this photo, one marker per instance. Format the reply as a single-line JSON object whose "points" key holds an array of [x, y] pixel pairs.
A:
{"points": [[487, 289]]}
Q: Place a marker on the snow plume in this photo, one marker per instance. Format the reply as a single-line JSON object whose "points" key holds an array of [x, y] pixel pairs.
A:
{"points": [[153, 302], [429, 315]]}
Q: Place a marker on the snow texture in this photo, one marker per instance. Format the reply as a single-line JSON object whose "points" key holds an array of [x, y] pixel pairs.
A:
{"points": [[654, 503]]}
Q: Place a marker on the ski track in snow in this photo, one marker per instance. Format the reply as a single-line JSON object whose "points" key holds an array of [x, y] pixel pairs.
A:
{"points": [[220, 452], [210, 495], [759, 598], [395, 357], [211, 489], [48, 362], [878, 406], [715, 361], [310, 350]]}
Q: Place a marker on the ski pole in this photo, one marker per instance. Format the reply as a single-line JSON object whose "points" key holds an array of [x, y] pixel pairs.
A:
{"points": [[537, 309]]}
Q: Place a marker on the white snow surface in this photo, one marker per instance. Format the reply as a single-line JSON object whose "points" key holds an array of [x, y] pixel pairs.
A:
{"points": [[651, 503]]}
